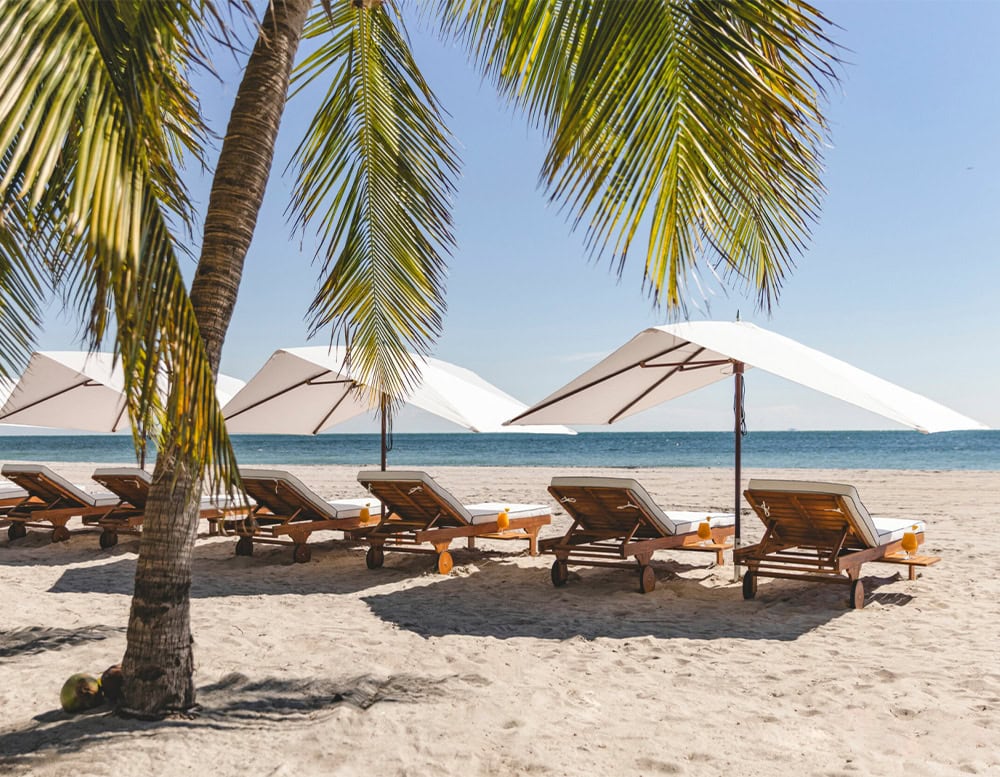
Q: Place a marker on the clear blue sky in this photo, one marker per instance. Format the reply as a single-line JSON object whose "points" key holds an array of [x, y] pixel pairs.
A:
{"points": [[901, 279]]}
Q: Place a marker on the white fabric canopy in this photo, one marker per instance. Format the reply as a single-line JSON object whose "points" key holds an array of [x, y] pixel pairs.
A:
{"points": [[77, 390], [227, 387], [69, 390], [665, 362], [307, 390]]}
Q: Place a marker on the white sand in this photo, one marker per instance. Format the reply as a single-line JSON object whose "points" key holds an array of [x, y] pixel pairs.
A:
{"points": [[328, 668]]}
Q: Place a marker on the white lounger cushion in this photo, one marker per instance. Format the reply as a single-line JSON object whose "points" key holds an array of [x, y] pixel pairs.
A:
{"points": [[487, 512], [873, 531], [351, 508], [423, 480], [83, 499], [10, 491], [484, 512], [687, 521], [893, 529], [217, 502], [668, 522], [122, 472], [302, 492], [125, 472], [332, 510]]}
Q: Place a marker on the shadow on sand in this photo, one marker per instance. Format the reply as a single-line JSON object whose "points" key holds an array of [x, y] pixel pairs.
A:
{"points": [[506, 601], [82, 547], [491, 594], [233, 702], [337, 567], [37, 639]]}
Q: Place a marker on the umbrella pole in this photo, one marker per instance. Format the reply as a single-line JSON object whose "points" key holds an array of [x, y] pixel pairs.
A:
{"points": [[738, 450], [384, 435]]}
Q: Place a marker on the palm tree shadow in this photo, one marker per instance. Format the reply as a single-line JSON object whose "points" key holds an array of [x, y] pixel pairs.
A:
{"points": [[233, 702], [36, 639], [507, 601]]}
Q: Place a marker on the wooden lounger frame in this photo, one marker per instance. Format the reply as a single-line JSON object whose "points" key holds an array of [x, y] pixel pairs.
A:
{"points": [[809, 536], [10, 501], [127, 516], [45, 512], [290, 526], [432, 519], [262, 526], [607, 536]]}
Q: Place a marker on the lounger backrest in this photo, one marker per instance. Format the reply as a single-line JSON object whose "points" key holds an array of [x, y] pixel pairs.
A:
{"points": [[415, 496], [811, 512], [47, 485], [11, 494], [129, 484], [611, 504], [284, 494]]}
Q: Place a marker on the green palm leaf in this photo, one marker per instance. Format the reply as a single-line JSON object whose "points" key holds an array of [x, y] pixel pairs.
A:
{"points": [[23, 290], [695, 122], [376, 173], [96, 110]]}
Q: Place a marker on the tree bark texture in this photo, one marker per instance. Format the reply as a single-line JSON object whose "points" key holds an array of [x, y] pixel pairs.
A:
{"points": [[242, 170], [158, 667]]}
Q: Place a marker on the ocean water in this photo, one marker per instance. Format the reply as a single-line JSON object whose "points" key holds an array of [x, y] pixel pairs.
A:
{"points": [[974, 450]]}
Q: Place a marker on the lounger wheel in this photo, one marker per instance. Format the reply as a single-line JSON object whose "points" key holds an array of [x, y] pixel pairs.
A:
{"points": [[647, 579], [857, 597], [749, 585], [16, 530], [108, 539], [60, 534], [444, 562], [301, 553], [560, 573], [244, 546], [375, 557]]}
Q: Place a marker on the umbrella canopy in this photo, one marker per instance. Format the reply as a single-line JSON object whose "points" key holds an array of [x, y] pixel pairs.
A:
{"points": [[227, 387], [665, 362], [69, 390], [307, 390], [77, 390]]}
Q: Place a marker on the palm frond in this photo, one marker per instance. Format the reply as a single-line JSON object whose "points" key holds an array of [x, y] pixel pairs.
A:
{"points": [[697, 122], [97, 112], [375, 176], [24, 286]]}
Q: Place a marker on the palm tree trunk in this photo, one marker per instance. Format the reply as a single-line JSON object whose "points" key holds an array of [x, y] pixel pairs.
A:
{"points": [[159, 665], [242, 170]]}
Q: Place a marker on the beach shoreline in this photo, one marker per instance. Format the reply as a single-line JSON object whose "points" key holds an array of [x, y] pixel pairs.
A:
{"points": [[328, 667]]}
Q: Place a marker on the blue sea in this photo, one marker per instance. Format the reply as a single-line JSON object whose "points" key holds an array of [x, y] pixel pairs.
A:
{"points": [[974, 450]]}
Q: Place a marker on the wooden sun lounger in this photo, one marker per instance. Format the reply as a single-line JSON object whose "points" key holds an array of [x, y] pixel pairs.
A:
{"points": [[131, 486], [287, 512], [822, 532], [418, 511], [51, 501], [616, 518], [11, 495]]}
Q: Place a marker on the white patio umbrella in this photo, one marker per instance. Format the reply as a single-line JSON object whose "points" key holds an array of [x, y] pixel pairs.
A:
{"points": [[665, 362], [69, 390], [78, 390], [307, 390], [227, 387]]}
